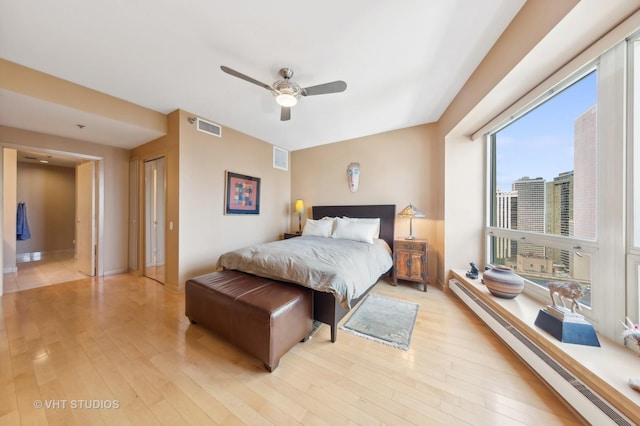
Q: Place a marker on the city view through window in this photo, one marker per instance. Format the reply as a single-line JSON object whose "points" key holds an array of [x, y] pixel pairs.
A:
{"points": [[545, 183]]}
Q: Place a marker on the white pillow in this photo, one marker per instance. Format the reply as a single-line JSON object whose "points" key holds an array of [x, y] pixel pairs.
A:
{"points": [[356, 231], [376, 221], [318, 228]]}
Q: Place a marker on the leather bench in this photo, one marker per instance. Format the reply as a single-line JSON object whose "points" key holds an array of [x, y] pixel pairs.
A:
{"points": [[263, 317]]}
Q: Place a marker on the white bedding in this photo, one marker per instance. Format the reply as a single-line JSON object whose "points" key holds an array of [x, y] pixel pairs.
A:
{"points": [[343, 267]]}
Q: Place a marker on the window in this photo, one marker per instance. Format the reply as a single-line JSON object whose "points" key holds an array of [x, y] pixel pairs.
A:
{"points": [[544, 188], [563, 186]]}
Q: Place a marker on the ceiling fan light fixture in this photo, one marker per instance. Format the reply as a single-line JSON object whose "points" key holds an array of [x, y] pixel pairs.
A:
{"points": [[286, 92], [286, 99]]}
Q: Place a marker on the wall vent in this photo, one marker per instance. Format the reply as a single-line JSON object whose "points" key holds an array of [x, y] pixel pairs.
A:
{"points": [[208, 127], [574, 391], [280, 158]]}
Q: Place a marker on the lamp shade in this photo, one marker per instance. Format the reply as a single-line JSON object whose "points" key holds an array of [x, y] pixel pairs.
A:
{"points": [[411, 211], [299, 208]]}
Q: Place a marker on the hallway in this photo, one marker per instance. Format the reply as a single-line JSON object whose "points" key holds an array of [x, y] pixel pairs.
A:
{"points": [[42, 270]]}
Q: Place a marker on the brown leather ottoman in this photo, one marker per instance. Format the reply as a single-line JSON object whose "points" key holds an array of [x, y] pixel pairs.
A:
{"points": [[263, 317]]}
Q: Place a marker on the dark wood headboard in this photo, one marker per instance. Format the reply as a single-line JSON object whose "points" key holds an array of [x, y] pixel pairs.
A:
{"points": [[386, 213]]}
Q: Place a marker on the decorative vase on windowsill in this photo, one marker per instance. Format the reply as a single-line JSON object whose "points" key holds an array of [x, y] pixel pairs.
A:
{"points": [[502, 282]]}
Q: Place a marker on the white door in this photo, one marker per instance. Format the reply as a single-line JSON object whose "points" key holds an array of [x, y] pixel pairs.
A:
{"points": [[85, 219], [154, 183]]}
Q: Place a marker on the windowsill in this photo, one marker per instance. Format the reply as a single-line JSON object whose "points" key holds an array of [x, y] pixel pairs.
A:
{"points": [[606, 369]]}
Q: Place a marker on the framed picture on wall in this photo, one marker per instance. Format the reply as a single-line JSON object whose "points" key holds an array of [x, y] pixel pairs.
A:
{"points": [[242, 194]]}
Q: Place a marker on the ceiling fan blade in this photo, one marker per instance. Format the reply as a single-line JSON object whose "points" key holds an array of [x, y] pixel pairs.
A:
{"points": [[285, 114], [322, 89], [245, 77]]}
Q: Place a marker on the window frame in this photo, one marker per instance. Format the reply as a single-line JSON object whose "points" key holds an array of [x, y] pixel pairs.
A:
{"points": [[608, 250], [633, 179]]}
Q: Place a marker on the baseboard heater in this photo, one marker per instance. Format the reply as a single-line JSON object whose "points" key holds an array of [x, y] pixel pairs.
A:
{"points": [[591, 406]]}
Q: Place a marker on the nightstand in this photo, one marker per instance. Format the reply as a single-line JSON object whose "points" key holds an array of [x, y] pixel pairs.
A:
{"points": [[288, 235], [410, 261]]}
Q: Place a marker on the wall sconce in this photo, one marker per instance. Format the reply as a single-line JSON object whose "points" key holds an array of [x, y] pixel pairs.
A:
{"points": [[411, 211], [299, 208]]}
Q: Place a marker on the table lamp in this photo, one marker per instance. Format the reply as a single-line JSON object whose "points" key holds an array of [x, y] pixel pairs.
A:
{"points": [[299, 208], [411, 211]]}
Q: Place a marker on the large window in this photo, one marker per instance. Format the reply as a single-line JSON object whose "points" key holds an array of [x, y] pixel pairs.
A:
{"points": [[544, 188], [563, 186]]}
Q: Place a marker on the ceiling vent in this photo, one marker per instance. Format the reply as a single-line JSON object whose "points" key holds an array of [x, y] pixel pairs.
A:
{"points": [[280, 158], [208, 127]]}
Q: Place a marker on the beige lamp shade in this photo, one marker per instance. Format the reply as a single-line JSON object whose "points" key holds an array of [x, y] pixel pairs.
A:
{"points": [[410, 212]]}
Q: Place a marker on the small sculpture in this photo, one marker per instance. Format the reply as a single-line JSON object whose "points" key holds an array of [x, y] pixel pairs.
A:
{"points": [[571, 290], [353, 173], [473, 273]]}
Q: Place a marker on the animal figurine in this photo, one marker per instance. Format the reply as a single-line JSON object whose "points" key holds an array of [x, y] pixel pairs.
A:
{"points": [[571, 290], [473, 273]]}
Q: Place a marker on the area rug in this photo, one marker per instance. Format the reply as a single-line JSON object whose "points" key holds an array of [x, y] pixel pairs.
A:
{"points": [[385, 320]]}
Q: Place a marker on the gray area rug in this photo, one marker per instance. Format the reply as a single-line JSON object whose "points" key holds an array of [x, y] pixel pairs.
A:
{"points": [[383, 319]]}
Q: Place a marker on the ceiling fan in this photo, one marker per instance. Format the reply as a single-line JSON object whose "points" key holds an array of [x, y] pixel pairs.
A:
{"points": [[288, 91]]}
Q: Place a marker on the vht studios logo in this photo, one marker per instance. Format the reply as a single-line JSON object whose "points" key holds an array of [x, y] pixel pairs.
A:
{"points": [[61, 404]]}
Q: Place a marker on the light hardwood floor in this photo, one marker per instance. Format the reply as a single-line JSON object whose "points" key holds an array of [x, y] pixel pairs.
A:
{"points": [[125, 339], [39, 270]]}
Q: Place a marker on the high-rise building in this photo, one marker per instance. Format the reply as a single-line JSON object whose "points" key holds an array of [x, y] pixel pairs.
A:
{"points": [[559, 216], [586, 184], [530, 211], [507, 218], [585, 189]]}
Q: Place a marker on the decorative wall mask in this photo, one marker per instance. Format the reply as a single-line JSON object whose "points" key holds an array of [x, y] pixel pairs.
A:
{"points": [[353, 173]]}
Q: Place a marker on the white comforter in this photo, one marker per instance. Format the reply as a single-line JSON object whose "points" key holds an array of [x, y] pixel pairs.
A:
{"points": [[343, 267]]}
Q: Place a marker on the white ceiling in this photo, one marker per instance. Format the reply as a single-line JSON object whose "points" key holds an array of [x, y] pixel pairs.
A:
{"points": [[403, 62]]}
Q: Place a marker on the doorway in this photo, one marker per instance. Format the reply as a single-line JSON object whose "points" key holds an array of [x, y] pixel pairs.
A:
{"points": [[154, 207], [48, 183]]}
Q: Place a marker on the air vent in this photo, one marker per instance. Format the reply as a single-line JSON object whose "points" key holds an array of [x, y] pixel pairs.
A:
{"points": [[280, 158], [208, 127]]}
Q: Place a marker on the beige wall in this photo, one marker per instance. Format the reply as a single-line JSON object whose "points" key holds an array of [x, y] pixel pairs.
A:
{"points": [[49, 196], [196, 166], [395, 168], [205, 231]]}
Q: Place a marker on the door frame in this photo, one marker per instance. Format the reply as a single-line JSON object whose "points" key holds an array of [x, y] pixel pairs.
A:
{"points": [[163, 190], [142, 208], [99, 162]]}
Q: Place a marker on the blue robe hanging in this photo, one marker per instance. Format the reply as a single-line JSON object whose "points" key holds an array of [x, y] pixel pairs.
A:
{"points": [[22, 225]]}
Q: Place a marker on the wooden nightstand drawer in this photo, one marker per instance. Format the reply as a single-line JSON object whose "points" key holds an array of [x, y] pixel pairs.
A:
{"points": [[412, 245], [410, 261]]}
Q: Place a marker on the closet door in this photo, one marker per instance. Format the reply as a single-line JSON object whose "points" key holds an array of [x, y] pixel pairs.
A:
{"points": [[154, 183]]}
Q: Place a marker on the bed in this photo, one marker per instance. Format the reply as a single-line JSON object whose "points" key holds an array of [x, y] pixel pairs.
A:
{"points": [[333, 293]]}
